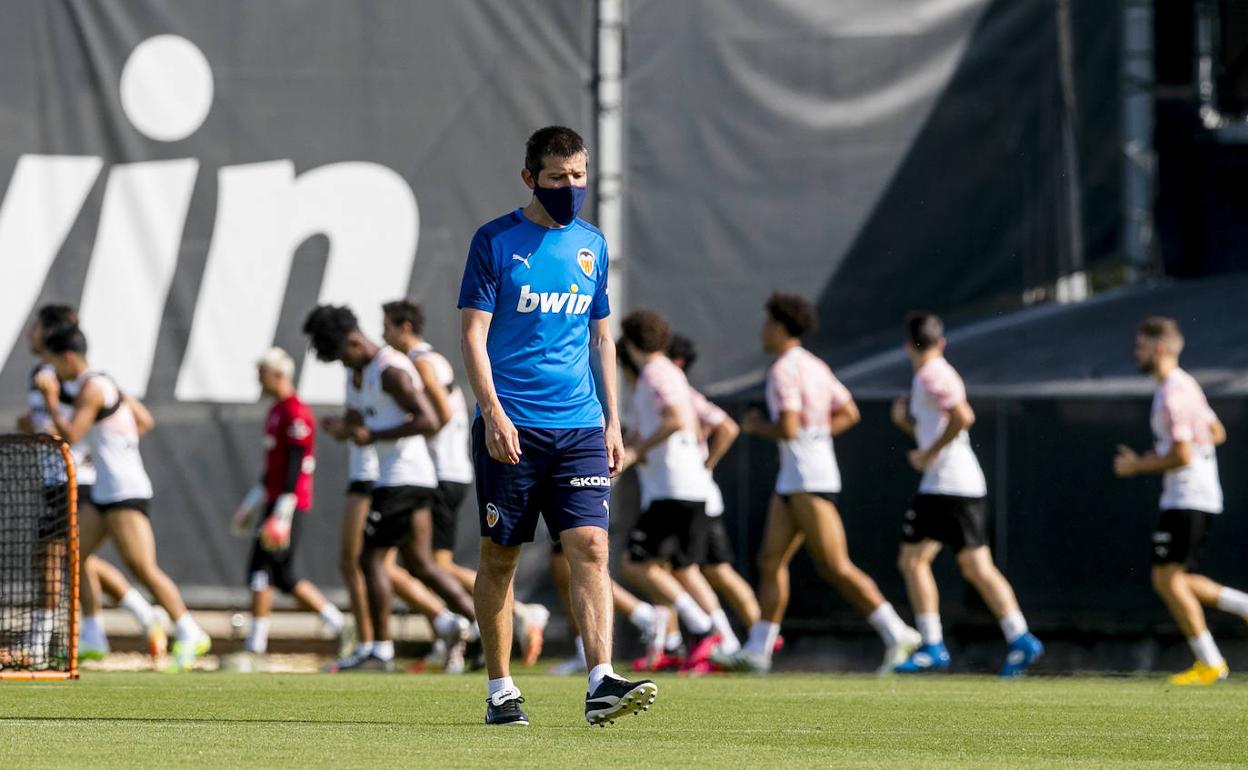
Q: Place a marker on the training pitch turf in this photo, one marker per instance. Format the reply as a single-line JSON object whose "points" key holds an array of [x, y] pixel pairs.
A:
{"points": [[376, 720]]}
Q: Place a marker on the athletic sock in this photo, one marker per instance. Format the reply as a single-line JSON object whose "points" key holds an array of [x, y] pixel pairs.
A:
{"points": [[598, 673], [887, 624], [185, 629], [41, 623], [134, 603], [474, 632], [500, 684], [643, 616], [364, 649], [258, 640], [1205, 650], [929, 627], [445, 622], [1013, 625], [729, 643], [1230, 600], [672, 641], [384, 650], [332, 617], [762, 638], [92, 631], [579, 645], [694, 617]]}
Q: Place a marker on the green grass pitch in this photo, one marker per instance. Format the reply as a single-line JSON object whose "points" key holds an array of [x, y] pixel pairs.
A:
{"points": [[825, 720]]}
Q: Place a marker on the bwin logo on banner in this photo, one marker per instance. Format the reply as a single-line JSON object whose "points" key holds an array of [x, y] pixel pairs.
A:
{"points": [[264, 211]]}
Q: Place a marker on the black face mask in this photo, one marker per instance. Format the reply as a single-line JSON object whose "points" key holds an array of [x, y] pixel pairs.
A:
{"points": [[562, 203]]}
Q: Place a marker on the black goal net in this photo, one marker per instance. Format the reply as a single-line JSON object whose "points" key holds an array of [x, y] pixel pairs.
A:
{"points": [[38, 559]]}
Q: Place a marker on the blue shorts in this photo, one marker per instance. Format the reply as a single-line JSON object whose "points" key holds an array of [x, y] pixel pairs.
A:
{"points": [[562, 476]]}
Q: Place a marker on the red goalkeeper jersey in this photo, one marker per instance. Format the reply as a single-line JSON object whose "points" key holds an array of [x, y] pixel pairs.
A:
{"points": [[289, 439]]}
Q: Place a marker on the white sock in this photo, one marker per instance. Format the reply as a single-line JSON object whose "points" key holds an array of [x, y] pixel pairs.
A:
{"points": [[1205, 650], [332, 616], [384, 650], [92, 631], [136, 605], [474, 632], [498, 685], [258, 639], [929, 627], [598, 673], [729, 643], [185, 629], [887, 624], [444, 622], [643, 616], [694, 617], [672, 641], [41, 623], [363, 649], [579, 644], [762, 637], [1013, 626], [1230, 600]]}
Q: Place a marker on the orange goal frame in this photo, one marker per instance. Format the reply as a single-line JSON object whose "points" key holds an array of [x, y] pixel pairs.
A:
{"points": [[71, 476]]}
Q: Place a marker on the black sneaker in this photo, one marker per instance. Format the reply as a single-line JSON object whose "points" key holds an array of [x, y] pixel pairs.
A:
{"points": [[503, 708], [616, 697], [365, 663]]}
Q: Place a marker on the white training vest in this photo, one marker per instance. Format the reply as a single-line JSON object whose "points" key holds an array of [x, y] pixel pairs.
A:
{"points": [[401, 462], [84, 471], [449, 446], [361, 460], [113, 443]]}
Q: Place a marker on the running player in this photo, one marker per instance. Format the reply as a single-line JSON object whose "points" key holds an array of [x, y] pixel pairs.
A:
{"points": [[718, 433], [1185, 433], [362, 472], [807, 407], [533, 305], [98, 575], [396, 416], [666, 447], [284, 494], [403, 323], [109, 424], [951, 507]]}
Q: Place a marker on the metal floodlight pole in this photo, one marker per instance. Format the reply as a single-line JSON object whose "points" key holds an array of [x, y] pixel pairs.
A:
{"points": [[1137, 138], [609, 153]]}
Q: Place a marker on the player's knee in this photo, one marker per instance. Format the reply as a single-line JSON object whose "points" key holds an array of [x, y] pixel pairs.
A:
{"points": [[587, 546], [498, 559], [840, 573], [770, 563], [1163, 578]]}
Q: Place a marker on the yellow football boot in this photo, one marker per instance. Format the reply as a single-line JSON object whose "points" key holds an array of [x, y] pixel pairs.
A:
{"points": [[1200, 675]]}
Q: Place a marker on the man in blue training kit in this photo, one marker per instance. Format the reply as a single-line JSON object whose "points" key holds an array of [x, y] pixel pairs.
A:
{"points": [[533, 306]]}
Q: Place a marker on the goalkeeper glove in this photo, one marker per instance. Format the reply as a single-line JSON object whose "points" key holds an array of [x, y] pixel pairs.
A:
{"points": [[275, 533], [243, 524]]}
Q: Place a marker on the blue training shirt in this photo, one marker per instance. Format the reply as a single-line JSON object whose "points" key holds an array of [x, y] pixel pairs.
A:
{"points": [[544, 286]]}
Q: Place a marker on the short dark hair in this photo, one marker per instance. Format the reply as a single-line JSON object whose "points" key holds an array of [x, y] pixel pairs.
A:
{"points": [[682, 349], [66, 338], [924, 329], [52, 316], [648, 331], [327, 327], [403, 311], [551, 141], [1161, 329], [623, 359], [794, 312]]}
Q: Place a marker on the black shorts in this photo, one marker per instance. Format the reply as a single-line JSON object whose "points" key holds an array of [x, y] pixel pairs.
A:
{"points": [[277, 567], [718, 546], [446, 502], [139, 504], [389, 521], [360, 487], [831, 497], [670, 529], [53, 521], [958, 522], [1179, 535]]}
